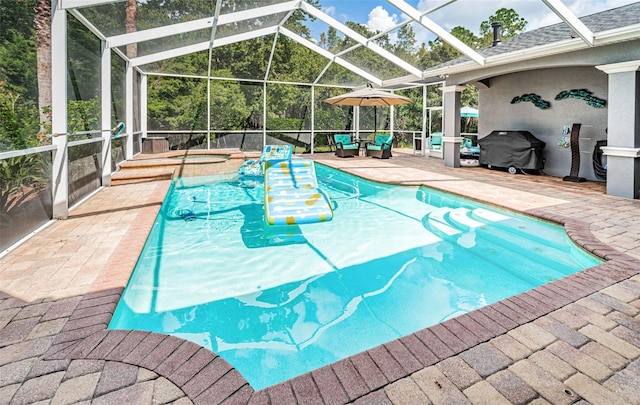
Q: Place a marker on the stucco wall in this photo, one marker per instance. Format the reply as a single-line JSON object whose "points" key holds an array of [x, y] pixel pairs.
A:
{"points": [[497, 112]]}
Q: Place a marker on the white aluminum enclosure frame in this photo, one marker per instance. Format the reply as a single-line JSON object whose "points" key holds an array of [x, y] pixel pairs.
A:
{"points": [[438, 30], [568, 17], [114, 42], [289, 6], [60, 164], [203, 23]]}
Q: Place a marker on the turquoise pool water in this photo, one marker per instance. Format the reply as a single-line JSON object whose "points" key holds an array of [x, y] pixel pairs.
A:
{"points": [[278, 302]]}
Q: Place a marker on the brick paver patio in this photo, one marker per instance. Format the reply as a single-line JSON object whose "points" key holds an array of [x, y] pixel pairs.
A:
{"points": [[576, 340]]}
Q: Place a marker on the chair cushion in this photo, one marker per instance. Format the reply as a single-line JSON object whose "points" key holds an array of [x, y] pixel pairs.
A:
{"points": [[435, 141], [344, 139], [353, 146], [380, 139], [374, 147]]}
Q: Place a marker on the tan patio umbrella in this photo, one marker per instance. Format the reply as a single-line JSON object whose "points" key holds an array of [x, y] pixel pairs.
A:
{"points": [[369, 97]]}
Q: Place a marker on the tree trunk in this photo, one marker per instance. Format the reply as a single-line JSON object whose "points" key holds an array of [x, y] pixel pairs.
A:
{"points": [[42, 23], [131, 25]]}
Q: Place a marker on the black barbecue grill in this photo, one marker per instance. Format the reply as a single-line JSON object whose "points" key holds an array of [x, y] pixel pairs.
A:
{"points": [[512, 150]]}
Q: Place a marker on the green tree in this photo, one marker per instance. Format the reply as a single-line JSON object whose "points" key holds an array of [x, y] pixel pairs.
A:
{"points": [[331, 117], [469, 96], [180, 104], [18, 62], [330, 40], [176, 103], [17, 124], [405, 46], [18, 85], [83, 84], [16, 15], [512, 25], [21, 176], [232, 106], [440, 51], [408, 117]]}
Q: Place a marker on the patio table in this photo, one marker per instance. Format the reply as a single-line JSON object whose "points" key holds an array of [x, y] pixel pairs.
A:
{"points": [[362, 144]]}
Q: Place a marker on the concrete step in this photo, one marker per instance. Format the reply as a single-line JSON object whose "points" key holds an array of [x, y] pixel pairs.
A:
{"points": [[139, 175], [162, 166]]}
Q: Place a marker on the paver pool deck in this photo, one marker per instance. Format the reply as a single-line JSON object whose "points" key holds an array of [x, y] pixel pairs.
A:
{"points": [[576, 340]]}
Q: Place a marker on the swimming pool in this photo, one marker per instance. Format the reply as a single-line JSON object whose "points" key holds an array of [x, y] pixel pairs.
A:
{"points": [[276, 302]]}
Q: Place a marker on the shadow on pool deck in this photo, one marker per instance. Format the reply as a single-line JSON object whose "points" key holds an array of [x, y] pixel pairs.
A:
{"points": [[574, 338]]}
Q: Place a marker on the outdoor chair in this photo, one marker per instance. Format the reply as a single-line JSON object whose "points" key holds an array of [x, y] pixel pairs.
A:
{"points": [[468, 151], [381, 146], [344, 146], [435, 141]]}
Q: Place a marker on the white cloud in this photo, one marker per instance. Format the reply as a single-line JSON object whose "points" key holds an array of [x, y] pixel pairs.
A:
{"points": [[381, 20], [331, 10]]}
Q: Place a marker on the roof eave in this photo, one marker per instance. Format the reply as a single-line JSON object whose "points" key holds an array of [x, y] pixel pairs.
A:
{"points": [[401, 81]]}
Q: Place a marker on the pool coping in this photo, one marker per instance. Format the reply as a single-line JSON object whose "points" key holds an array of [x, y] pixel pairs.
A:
{"points": [[206, 378]]}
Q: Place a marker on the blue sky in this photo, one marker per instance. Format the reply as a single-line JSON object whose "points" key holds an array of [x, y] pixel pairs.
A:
{"points": [[379, 14]]}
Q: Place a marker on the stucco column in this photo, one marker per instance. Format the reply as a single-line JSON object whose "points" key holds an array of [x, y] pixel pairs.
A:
{"points": [[451, 138], [623, 140]]}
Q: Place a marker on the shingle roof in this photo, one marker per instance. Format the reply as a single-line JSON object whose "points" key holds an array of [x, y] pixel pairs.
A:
{"points": [[607, 20]]}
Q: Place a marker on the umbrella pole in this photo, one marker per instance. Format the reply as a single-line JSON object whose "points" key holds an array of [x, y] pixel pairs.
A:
{"points": [[375, 120]]}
